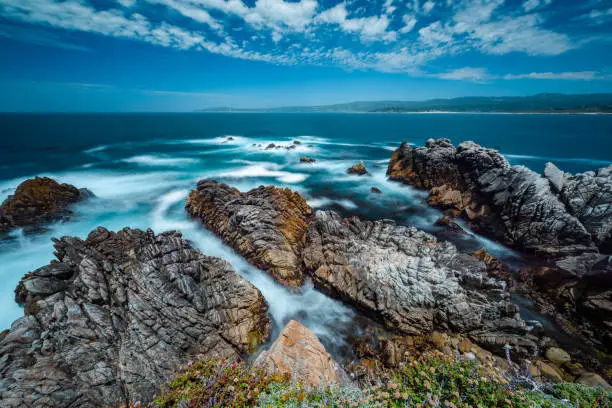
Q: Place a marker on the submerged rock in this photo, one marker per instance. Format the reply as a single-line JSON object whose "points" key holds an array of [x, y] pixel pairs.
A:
{"points": [[358, 169], [266, 225], [304, 159], [110, 320], [39, 200], [299, 353]]}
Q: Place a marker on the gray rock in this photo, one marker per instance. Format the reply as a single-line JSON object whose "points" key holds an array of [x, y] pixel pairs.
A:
{"points": [[110, 321], [555, 176]]}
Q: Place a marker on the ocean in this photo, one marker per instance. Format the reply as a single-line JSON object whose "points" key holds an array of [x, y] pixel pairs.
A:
{"points": [[142, 166]]}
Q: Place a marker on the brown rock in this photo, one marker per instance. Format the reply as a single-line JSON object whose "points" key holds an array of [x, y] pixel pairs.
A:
{"points": [[558, 356], [495, 267], [307, 159], [39, 200], [376, 190], [545, 372], [266, 225], [450, 225], [298, 353], [358, 169]]}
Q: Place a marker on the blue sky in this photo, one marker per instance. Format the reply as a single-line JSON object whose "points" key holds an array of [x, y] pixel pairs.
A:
{"points": [[180, 55]]}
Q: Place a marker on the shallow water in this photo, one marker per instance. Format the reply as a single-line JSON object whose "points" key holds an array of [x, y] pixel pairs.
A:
{"points": [[142, 182]]}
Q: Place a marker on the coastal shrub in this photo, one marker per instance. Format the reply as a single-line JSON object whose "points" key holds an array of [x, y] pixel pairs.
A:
{"points": [[435, 382]]}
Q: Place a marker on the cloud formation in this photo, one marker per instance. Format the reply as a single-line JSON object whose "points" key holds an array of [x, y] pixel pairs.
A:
{"points": [[388, 36]]}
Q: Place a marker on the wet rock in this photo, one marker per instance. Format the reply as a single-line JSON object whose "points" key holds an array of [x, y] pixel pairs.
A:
{"points": [[593, 380], [299, 353], [558, 356], [410, 281], [358, 169], [39, 200], [495, 267], [266, 225], [297, 142], [307, 159], [376, 190], [271, 146], [448, 224], [511, 203], [112, 318]]}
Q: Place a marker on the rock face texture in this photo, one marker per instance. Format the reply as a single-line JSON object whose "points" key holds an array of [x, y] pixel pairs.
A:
{"points": [[358, 169], [566, 218], [111, 318], [39, 200], [298, 353], [266, 225], [513, 204], [410, 281], [398, 275]]}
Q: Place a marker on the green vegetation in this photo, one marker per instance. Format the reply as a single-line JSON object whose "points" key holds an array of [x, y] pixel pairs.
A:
{"points": [[437, 382]]}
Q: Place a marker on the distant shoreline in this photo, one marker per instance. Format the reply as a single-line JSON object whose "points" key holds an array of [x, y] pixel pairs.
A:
{"points": [[410, 112]]}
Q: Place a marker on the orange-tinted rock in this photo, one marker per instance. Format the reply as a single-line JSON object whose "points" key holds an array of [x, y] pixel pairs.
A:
{"points": [[495, 267], [39, 200], [266, 225], [307, 159], [297, 352], [358, 169]]}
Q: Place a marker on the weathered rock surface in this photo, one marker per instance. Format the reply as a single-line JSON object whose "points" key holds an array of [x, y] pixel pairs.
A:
{"points": [[299, 353], [266, 225], [39, 200], [511, 203], [411, 282], [305, 159], [112, 318], [358, 169]]}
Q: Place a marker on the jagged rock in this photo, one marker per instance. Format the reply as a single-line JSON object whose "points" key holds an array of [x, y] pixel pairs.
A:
{"points": [[558, 356], [513, 204], [299, 353], [411, 282], [358, 169], [594, 380], [495, 267], [448, 224], [376, 190], [307, 159], [112, 318], [39, 200], [555, 176], [589, 198], [266, 225]]}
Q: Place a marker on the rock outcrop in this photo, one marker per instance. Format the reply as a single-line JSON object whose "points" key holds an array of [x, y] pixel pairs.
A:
{"points": [[298, 353], [37, 201], [110, 320], [358, 169], [398, 275], [511, 203], [266, 225], [566, 219], [410, 281]]}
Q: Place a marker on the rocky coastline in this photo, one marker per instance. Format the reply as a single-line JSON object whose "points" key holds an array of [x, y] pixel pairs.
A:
{"points": [[110, 319]]}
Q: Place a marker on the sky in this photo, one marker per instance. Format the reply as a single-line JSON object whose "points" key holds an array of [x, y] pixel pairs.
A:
{"points": [[183, 55]]}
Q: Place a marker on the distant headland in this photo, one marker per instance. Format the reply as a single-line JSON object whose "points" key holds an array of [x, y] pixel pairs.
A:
{"points": [[541, 103]]}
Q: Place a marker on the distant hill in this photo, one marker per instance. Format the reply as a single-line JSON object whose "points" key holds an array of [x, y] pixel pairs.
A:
{"points": [[542, 103]]}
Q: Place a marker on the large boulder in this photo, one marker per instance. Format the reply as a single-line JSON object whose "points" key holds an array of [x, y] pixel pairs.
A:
{"points": [[298, 353], [109, 321], [266, 225], [410, 281], [39, 200]]}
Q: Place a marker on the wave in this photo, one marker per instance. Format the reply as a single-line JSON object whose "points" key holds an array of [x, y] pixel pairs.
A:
{"points": [[320, 202], [152, 160], [263, 170], [582, 160]]}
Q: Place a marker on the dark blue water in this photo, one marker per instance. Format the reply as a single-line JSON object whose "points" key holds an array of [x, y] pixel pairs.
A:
{"points": [[142, 166]]}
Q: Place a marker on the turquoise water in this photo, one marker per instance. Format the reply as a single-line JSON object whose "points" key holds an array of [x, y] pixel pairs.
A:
{"points": [[141, 168]]}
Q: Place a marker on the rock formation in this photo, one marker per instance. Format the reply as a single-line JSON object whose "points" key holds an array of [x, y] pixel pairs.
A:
{"points": [[399, 275], [39, 200], [305, 159], [565, 218], [298, 353], [266, 225], [110, 320], [358, 169]]}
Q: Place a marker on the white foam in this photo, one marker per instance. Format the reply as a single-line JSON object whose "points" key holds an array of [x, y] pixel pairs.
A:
{"points": [[96, 149], [584, 160], [153, 160], [264, 171], [326, 202]]}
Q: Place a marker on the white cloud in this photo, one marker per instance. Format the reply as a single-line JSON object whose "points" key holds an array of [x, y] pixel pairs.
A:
{"points": [[581, 75], [127, 3], [530, 5], [373, 28], [193, 12], [428, 6], [466, 74], [409, 23]]}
